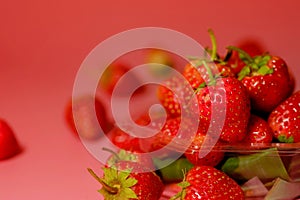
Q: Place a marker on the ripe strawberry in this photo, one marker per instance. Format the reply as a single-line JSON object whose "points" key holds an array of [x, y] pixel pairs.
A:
{"points": [[259, 131], [213, 158], [84, 124], [227, 98], [9, 145], [158, 60], [267, 80], [124, 140], [173, 95], [197, 74], [285, 119], [112, 74], [207, 183], [129, 180]]}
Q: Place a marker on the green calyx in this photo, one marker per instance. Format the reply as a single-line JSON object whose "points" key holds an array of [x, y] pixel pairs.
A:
{"points": [[116, 184], [184, 184], [255, 66], [121, 155], [285, 139]]}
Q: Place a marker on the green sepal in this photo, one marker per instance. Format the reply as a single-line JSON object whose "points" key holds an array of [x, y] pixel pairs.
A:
{"points": [[120, 181], [264, 70], [245, 71], [121, 155], [285, 139], [183, 184]]}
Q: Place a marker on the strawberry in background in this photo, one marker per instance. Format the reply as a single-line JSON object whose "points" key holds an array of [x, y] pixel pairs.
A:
{"points": [[9, 145], [113, 74], [83, 108]]}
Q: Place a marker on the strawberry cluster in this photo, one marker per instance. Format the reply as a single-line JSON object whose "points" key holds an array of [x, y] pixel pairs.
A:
{"points": [[243, 99]]}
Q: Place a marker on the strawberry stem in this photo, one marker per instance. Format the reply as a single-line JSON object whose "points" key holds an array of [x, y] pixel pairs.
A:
{"points": [[214, 44], [112, 152], [212, 79], [244, 53], [112, 190]]}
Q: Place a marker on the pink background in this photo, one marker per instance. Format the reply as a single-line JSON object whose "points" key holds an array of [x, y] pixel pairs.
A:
{"points": [[42, 44]]}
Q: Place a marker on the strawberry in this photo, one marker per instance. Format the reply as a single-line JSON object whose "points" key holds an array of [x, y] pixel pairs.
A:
{"points": [[258, 132], [177, 92], [228, 98], [9, 145], [207, 183], [284, 120], [82, 109], [134, 143], [129, 180], [158, 60], [112, 74], [267, 80], [124, 140], [173, 94], [213, 158], [197, 74]]}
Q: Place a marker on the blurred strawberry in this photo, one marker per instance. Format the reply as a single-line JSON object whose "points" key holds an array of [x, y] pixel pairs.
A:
{"points": [[9, 145], [83, 109], [113, 74], [284, 120], [160, 62]]}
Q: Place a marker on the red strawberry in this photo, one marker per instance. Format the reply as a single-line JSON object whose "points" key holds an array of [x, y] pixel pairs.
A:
{"points": [[9, 145], [213, 158], [208, 183], [124, 140], [112, 74], [83, 108], [173, 95], [285, 119], [267, 80], [129, 180], [229, 100], [197, 74], [259, 131]]}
